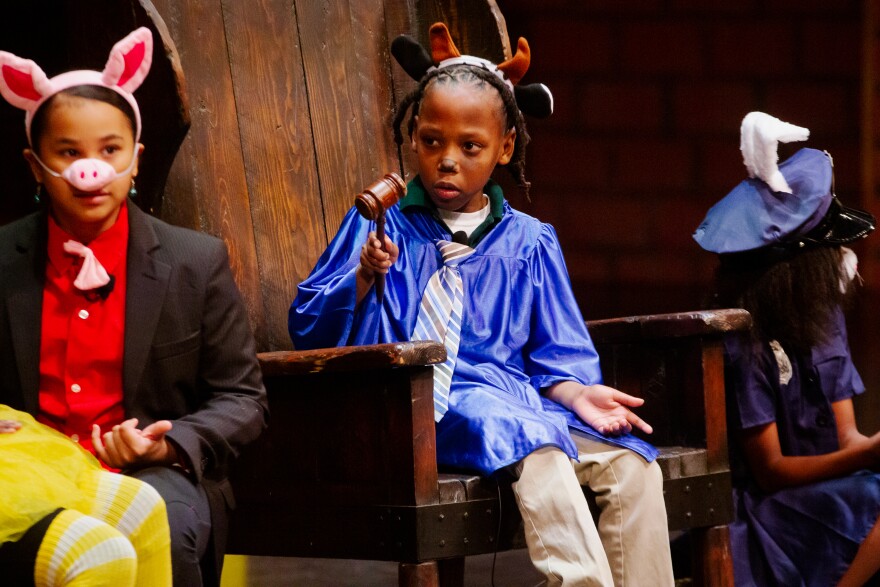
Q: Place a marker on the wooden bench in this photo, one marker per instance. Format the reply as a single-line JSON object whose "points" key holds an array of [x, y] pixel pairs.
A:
{"points": [[348, 468]]}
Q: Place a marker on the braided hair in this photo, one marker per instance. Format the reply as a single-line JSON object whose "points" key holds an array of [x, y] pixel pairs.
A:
{"points": [[477, 76]]}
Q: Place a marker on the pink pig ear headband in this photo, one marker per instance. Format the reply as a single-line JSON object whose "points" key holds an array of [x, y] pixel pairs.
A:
{"points": [[532, 99], [24, 84]]}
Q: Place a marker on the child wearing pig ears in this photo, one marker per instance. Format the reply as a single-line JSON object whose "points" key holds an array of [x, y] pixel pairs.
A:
{"points": [[125, 334]]}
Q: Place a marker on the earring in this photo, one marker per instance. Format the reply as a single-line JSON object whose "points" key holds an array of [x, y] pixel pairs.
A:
{"points": [[132, 191], [38, 197]]}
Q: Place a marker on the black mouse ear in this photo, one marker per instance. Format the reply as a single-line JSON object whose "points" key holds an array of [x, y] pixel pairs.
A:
{"points": [[411, 56], [534, 100]]}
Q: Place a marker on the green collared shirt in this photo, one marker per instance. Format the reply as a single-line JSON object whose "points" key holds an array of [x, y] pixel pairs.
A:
{"points": [[417, 196]]}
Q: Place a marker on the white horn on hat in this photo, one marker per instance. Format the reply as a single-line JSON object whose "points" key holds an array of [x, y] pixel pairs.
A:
{"points": [[760, 135]]}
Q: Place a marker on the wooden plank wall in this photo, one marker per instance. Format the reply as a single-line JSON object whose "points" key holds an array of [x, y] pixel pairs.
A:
{"points": [[290, 104]]}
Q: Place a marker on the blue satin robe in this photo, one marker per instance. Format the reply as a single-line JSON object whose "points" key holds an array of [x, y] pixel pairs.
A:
{"points": [[522, 331]]}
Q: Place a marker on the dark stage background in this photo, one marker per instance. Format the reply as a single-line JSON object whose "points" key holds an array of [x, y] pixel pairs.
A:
{"points": [[645, 135]]}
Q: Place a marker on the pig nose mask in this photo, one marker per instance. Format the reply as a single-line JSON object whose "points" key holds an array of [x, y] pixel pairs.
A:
{"points": [[89, 175], [24, 85]]}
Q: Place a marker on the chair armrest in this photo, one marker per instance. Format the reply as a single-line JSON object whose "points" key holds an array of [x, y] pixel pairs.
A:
{"points": [[676, 363], [659, 326], [352, 358], [353, 424]]}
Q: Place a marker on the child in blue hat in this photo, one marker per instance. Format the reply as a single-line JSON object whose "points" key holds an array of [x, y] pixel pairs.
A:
{"points": [[524, 395], [806, 502]]}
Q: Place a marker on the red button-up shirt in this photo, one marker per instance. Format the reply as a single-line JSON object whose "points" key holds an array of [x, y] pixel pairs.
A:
{"points": [[82, 338]]}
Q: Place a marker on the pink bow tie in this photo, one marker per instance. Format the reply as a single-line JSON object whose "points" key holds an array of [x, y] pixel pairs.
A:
{"points": [[92, 274]]}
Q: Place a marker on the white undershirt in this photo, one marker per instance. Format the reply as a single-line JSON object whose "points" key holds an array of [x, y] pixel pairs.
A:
{"points": [[465, 221]]}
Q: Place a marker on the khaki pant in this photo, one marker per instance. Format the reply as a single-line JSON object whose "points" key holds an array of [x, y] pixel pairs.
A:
{"points": [[630, 548]]}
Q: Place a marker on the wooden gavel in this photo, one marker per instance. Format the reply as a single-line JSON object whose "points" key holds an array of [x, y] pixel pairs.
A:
{"points": [[372, 203]]}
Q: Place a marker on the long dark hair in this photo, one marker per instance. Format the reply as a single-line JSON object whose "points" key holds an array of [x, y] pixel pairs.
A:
{"points": [[791, 300], [479, 77]]}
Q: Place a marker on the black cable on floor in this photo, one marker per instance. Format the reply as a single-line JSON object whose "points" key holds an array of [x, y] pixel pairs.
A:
{"points": [[497, 530]]}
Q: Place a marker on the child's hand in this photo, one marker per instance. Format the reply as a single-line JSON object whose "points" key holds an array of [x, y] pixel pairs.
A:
{"points": [[9, 426], [873, 446], [607, 410], [374, 260], [126, 446], [604, 408]]}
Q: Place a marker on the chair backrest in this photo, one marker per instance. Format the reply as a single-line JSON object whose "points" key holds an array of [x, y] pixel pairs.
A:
{"points": [[291, 105]]}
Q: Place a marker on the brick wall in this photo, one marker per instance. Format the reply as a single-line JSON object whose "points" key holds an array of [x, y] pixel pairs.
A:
{"points": [[649, 97]]}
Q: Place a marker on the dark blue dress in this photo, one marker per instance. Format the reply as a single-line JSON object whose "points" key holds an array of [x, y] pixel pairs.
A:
{"points": [[803, 535], [521, 330]]}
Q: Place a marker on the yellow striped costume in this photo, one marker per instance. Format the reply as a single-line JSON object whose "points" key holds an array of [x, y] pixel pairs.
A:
{"points": [[114, 530]]}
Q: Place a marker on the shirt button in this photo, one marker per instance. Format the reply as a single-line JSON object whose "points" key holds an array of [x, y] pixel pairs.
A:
{"points": [[75, 388], [74, 437], [83, 314]]}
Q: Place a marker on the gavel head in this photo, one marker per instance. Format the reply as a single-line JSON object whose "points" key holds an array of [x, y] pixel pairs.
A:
{"points": [[378, 197]]}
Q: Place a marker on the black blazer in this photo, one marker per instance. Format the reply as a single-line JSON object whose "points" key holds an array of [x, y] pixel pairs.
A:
{"points": [[189, 352]]}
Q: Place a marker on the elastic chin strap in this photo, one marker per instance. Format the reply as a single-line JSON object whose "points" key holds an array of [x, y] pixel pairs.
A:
{"points": [[89, 175]]}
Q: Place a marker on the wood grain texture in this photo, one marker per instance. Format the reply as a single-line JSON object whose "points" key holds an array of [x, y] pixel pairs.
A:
{"points": [[350, 358], [864, 321], [277, 147], [658, 326], [715, 412], [477, 28], [207, 189], [346, 159], [376, 84], [401, 18], [713, 564]]}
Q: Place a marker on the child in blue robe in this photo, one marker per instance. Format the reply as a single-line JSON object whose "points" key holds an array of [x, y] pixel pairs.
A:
{"points": [[526, 393], [806, 504]]}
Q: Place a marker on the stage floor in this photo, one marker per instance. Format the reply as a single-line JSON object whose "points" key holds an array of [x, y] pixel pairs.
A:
{"points": [[512, 569]]}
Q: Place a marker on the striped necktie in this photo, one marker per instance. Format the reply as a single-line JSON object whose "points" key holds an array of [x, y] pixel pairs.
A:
{"points": [[440, 317]]}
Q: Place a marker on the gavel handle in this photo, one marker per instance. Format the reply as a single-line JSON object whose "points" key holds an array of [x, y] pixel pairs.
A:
{"points": [[380, 277]]}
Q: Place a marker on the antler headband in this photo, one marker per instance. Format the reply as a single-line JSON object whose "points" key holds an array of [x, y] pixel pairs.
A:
{"points": [[24, 84], [532, 99]]}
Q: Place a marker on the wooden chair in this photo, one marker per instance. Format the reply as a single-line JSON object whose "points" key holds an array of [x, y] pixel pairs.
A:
{"points": [[348, 468]]}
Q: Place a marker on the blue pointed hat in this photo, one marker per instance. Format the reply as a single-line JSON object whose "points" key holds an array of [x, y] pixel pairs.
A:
{"points": [[753, 216]]}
